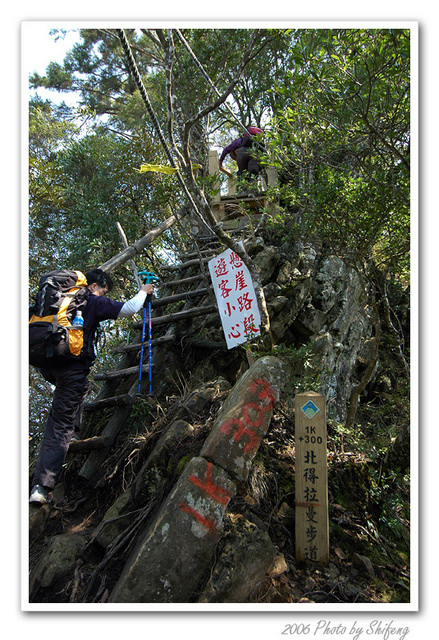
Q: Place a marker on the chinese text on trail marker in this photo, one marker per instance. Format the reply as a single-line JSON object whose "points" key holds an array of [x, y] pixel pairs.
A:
{"points": [[312, 526], [236, 298]]}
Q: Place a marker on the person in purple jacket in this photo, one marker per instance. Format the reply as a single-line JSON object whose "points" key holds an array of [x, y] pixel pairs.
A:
{"points": [[240, 150], [71, 382]]}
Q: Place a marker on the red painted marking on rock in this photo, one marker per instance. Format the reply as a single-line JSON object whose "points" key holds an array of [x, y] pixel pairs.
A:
{"points": [[246, 426], [201, 519], [217, 493]]}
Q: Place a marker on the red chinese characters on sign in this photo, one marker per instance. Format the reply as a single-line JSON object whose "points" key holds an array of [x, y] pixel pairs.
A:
{"points": [[221, 268], [240, 282], [235, 260], [236, 298], [244, 302], [225, 290]]}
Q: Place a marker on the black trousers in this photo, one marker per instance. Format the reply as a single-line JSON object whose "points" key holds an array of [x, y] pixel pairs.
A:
{"points": [[246, 162], [71, 385]]}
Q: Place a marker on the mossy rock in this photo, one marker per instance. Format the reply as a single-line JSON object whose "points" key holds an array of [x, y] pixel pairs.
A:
{"points": [[176, 467]]}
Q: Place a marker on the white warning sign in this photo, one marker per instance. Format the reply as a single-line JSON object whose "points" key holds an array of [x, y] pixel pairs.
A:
{"points": [[236, 298]]}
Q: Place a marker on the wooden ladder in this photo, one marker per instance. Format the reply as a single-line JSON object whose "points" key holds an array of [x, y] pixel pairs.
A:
{"points": [[187, 288]]}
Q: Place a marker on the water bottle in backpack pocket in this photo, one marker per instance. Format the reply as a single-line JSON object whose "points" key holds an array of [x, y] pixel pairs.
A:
{"points": [[78, 320]]}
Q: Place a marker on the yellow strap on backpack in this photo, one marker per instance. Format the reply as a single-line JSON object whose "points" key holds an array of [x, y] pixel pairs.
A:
{"points": [[76, 336]]}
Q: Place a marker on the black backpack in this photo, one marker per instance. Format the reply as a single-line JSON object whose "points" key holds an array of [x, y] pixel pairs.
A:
{"points": [[61, 294], [246, 141]]}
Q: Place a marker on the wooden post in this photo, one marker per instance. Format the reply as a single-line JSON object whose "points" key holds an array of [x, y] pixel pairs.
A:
{"points": [[312, 523], [271, 175], [214, 171], [216, 207]]}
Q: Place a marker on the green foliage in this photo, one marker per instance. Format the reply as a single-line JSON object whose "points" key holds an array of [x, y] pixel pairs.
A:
{"points": [[341, 140], [385, 492], [49, 129], [87, 185], [335, 104], [103, 188]]}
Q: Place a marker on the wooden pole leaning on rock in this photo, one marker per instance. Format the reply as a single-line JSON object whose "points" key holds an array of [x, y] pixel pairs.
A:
{"points": [[120, 373], [139, 245], [312, 522]]}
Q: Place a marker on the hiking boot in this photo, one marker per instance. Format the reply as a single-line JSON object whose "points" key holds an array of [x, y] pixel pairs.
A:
{"points": [[40, 494]]}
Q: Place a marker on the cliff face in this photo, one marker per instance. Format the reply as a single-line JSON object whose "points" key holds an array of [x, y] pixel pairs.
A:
{"points": [[316, 303], [182, 510], [318, 320]]}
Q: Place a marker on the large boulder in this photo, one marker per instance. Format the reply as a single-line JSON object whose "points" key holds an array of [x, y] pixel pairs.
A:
{"points": [[243, 565], [57, 561], [171, 557], [245, 417], [321, 304], [267, 261]]}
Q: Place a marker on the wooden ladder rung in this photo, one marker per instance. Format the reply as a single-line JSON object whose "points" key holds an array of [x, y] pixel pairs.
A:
{"points": [[113, 401], [184, 281], [95, 443], [207, 344], [136, 346], [121, 373], [185, 265], [179, 315], [208, 253], [188, 295]]}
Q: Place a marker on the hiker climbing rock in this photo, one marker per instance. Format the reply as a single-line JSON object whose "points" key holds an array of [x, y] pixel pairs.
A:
{"points": [[242, 150], [64, 352]]}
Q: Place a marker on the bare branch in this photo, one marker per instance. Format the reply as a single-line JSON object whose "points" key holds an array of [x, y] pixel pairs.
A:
{"points": [[151, 36], [169, 51], [222, 97]]}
